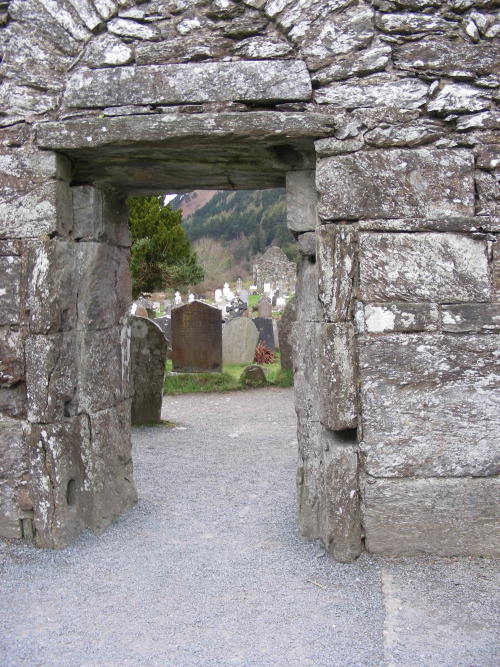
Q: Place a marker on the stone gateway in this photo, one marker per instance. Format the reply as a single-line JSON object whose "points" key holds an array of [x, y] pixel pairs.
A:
{"points": [[383, 124]]}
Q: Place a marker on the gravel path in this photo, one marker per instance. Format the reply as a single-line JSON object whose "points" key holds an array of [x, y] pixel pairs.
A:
{"points": [[208, 569]]}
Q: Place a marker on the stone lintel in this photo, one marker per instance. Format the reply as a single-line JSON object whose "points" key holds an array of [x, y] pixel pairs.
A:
{"points": [[484, 223], [376, 318], [244, 81]]}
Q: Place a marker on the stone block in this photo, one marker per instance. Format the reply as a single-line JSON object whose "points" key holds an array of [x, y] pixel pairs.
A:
{"points": [[487, 223], [374, 91], [309, 308], [285, 325], [50, 285], [10, 282], [310, 484], [420, 183], [13, 401], [444, 517], [109, 466], [245, 81], [471, 318], [423, 267], [149, 355], [305, 366], [385, 317], [430, 405], [307, 244], [301, 200], [10, 523], [488, 157], [337, 376], [412, 134], [59, 481], [496, 271], [341, 532], [100, 216], [445, 57], [13, 455], [103, 369], [51, 377], [11, 357], [104, 290], [337, 268], [488, 191]]}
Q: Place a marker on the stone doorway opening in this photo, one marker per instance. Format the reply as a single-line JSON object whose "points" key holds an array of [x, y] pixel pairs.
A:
{"points": [[84, 437]]}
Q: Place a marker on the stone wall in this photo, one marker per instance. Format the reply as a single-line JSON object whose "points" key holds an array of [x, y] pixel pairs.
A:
{"points": [[382, 118]]}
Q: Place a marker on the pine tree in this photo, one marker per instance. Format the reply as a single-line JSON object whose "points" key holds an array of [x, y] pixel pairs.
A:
{"points": [[161, 251]]}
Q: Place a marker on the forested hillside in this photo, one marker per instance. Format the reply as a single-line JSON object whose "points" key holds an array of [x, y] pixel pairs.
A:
{"points": [[255, 217]]}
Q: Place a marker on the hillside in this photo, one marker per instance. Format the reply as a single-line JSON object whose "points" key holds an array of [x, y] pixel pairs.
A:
{"points": [[256, 219]]}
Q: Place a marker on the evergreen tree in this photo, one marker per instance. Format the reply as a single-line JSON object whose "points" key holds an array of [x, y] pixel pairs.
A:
{"points": [[161, 251]]}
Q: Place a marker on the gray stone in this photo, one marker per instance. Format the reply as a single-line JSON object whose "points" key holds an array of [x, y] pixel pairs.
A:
{"points": [[254, 81], [239, 340], [337, 268], [488, 190], [458, 224], [423, 267], [488, 157], [13, 400], [341, 532], [488, 120], [338, 376], [310, 483], [264, 307], [10, 279], [11, 357], [410, 317], [262, 48], [426, 432], [459, 98], [266, 334], [496, 271], [344, 33], [285, 326], [107, 51], [132, 29], [196, 338], [401, 183], [309, 307], [253, 376], [100, 217], [446, 517], [358, 64], [165, 324], [332, 146], [409, 24], [415, 134], [148, 358], [446, 57], [375, 91], [307, 244], [471, 318], [301, 201]]}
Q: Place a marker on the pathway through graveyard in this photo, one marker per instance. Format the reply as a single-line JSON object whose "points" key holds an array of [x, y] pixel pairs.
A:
{"points": [[208, 568]]}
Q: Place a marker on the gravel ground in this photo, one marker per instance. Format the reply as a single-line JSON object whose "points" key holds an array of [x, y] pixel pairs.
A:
{"points": [[208, 569]]}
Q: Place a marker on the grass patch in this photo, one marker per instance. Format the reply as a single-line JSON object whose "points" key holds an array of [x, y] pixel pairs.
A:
{"points": [[228, 380]]}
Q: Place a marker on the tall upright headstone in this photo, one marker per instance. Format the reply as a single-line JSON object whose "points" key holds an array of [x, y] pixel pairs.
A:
{"points": [[196, 338], [266, 333], [239, 341], [148, 355], [265, 307]]}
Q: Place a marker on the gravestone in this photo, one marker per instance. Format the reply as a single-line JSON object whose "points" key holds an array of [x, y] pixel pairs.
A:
{"points": [[285, 324], [265, 307], [244, 296], [140, 311], [196, 338], [239, 341], [253, 376], [266, 333], [165, 324], [148, 356]]}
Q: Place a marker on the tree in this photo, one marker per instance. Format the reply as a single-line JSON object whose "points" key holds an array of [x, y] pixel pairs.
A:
{"points": [[161, 251]]}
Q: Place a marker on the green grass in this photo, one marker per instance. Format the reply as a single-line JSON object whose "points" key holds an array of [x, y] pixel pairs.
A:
{"points": [[228, 380]]}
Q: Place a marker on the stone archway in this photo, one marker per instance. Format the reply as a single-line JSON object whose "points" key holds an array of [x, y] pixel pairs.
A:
{"points": [[390, 163]]}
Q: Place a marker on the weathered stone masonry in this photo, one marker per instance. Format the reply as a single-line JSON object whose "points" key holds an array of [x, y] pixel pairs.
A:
{"points": [[382, 119]]}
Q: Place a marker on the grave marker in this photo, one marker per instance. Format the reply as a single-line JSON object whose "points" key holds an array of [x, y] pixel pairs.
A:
{"points": [[266, 333], [196, 338], [239, 341]]}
